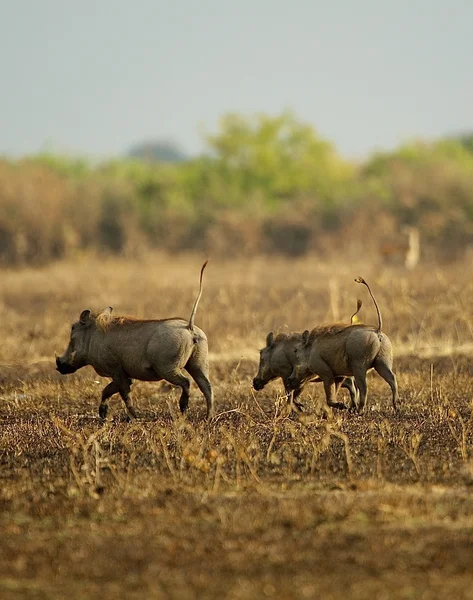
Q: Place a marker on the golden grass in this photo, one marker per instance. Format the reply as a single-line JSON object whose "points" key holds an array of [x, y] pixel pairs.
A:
{"points": [[257, 503]]}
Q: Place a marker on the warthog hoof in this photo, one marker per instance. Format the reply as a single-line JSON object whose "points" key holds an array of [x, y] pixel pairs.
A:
{"points": [[210, 415], [103, 410], [339, 405]]}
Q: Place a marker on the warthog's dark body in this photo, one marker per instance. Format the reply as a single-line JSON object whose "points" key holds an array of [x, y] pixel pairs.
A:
{"points": [[278, 359], [125, 348], [332, 351]]}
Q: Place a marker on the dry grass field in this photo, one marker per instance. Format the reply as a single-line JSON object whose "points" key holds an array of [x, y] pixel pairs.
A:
{"points": [[256, 503]]}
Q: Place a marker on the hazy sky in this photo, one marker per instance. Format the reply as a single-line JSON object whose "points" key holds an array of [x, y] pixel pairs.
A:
{"points": [[96, 76]]}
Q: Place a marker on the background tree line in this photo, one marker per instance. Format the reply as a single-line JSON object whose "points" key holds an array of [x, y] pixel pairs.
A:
{"points": [[265, 185]]}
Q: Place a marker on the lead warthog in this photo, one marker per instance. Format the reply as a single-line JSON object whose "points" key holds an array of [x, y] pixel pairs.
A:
{"points": [[126, 348], [332, 351], [277, 359]]}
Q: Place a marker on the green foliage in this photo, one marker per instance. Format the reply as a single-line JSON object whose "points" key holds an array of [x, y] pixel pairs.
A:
{"points": [[466, 141], [429, 185], [62, 165], [265, 184], [445, 154], [278, 157]]}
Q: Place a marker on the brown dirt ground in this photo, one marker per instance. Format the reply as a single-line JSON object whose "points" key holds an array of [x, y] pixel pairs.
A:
{"points": [[258, 503]]}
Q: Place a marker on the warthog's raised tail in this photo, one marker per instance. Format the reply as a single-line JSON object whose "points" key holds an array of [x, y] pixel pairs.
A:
{"points": [[194, 308], [380, 320]]}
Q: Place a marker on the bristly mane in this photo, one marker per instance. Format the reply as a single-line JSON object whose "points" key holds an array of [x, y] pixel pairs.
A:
{"points": [[283, 337], [105, 321], [331, 329]]}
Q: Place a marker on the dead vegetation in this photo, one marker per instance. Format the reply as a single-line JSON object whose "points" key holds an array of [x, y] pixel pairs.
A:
{"points": [[258, 503]]}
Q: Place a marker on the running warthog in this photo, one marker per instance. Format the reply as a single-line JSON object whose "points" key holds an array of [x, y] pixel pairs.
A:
{"points": [[277, 359], [126, 348], [332, 351]]}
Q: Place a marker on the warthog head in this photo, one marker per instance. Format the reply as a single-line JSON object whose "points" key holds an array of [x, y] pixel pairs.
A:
{"points": [[301, 360], [265, 374], [76, 354]]}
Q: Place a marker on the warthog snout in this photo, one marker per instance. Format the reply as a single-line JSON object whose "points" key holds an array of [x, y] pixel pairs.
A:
{"points": [[63, 367], [258, 384]]}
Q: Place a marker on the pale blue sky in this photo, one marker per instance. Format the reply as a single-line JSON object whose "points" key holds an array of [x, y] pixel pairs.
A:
{"points": [[95, 76]]}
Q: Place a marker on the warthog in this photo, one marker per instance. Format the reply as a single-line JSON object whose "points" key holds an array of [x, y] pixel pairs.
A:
{"points": [[277, 359], [332, 351], [126, 348]]}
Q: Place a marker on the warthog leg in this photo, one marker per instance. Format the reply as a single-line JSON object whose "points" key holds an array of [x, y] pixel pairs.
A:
{"points": [[178, 378], [360, 380], [331, 388], [122, 385], [344, 382], [384, 370], [292, 394], [201, 376], [124, 389], [107, 392], [350, 386], [295, 394]]}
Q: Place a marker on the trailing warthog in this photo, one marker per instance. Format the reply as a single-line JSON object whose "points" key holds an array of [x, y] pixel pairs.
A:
{"points": [[332, 351], [277, 359], [126, 348]]}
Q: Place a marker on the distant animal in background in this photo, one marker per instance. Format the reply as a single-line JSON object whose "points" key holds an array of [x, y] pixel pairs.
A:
{"points": [[403, 250]]}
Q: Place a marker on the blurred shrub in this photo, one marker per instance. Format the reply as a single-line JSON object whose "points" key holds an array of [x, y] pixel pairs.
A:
{"points": [[429, 185], [267, 184], [32, 200], [279, 157]]}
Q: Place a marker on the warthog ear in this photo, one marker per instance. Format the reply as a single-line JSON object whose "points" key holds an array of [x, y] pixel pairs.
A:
{"points": [[270, 339], [107, 311], [84, 316], [305, 337]]}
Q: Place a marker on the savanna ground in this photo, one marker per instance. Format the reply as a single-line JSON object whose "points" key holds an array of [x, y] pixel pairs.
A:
{"points": [[257, 503]]}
